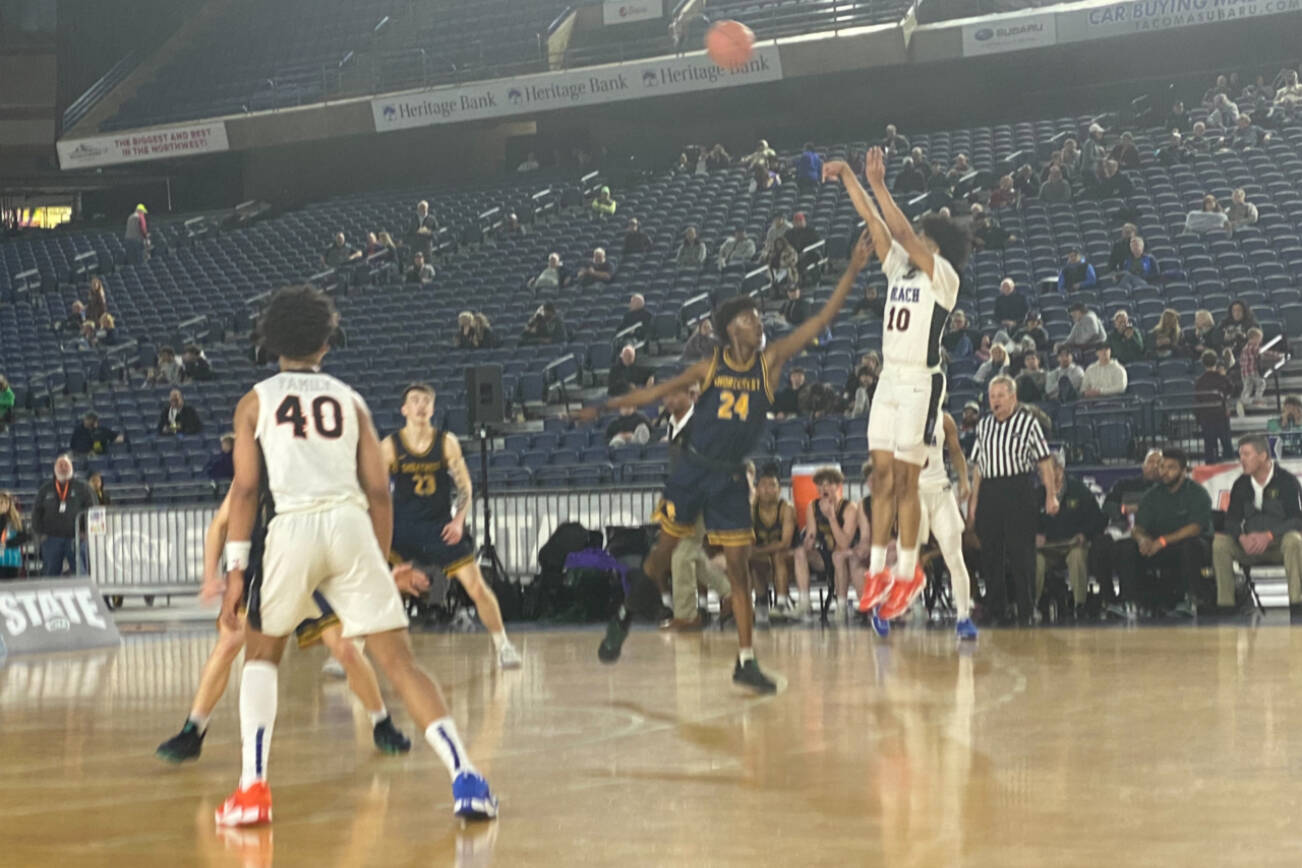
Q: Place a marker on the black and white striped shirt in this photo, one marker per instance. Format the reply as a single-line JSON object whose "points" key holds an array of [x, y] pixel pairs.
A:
{"points": [[1008, 449]]}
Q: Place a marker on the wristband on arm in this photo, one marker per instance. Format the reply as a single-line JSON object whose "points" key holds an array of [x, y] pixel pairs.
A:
{"points": [[237, 555], [1162, 541]]}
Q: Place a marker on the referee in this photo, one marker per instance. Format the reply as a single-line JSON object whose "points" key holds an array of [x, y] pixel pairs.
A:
{"points": [[1009, 445]]}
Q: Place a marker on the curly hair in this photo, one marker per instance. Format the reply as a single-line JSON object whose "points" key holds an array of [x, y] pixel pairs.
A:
{"points": [[729, 311], [297, 322], [952, 239]]}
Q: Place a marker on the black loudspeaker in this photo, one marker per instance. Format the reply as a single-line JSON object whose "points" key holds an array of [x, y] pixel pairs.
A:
{"points": [[484, 399]]}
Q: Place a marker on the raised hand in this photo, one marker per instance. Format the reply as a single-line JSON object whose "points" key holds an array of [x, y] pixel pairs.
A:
{"points": [[875, 166], [832, 169]]}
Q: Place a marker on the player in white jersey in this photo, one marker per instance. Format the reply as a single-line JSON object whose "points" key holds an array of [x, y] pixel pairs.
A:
{"points": [[312, 438], [943, 519], [922, 273]]}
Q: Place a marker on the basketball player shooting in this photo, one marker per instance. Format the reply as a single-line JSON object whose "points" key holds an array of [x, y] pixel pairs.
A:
{"points": [[710, 480], [311, 437], [922, 273]]}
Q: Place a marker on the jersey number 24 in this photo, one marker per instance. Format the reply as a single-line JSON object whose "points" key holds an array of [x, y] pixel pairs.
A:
{"points": [[327, 416]]}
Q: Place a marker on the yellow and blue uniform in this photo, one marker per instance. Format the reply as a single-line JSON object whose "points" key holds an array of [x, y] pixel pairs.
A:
{"points": [[422, 507], [767, 534], [710, 478]]}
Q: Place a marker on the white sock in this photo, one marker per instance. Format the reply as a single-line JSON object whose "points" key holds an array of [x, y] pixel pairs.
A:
{"points": [[876, 560], [258, 690], [746, 654], [442, 736], [200, 721], [377, 716], [804, 600], [907, 564], [499, 639]]}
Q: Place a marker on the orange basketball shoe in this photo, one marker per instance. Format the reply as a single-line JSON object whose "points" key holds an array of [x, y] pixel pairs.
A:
{"points": [[247, 807], [901, 596], [875, 588]]}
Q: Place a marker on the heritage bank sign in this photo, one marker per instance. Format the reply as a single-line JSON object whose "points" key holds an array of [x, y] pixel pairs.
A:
{"points": [[569, 89]]}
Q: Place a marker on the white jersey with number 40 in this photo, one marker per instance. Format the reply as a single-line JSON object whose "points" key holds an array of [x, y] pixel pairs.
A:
{"points": [[308, 426], [916, 309]]}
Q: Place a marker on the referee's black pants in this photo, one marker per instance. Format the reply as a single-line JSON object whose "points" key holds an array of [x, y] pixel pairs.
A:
{"points": [[1006, 519]]}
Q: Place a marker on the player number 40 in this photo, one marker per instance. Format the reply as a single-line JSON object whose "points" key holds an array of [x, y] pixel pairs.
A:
{"points": [[327, 416], [899, 321]]}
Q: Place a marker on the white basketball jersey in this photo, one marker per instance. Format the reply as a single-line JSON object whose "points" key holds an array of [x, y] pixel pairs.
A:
{"points": [[308, 425], [916, 309], [934, 476]]}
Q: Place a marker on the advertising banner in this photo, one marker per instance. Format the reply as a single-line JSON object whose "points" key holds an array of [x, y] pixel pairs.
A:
{"points": [[663, 76], [627, 11], [53, 615], [995, 36], [1155, 16], [142, 145]]}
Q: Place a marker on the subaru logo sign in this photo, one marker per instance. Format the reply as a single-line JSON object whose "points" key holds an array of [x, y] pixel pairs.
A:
{"points": [[984, 34]]}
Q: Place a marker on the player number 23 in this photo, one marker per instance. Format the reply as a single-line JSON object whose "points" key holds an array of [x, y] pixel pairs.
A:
{"points": [[424, 484], [733, 405]]}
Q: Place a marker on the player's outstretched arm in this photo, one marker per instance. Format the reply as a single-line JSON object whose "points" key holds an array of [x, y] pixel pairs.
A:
{"points": [[651, 394], [784, 348], [373, 475], [213, 541], [899, 225], [863, 203], [956, 456], [243, 500]]}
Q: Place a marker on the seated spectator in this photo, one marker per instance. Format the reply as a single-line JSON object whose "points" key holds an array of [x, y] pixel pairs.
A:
{"points": [[637, 315], [626, 374], [1177, 118], [1126, 341], [91, 438], [777, 229], [1139, 268], [1076, 273], [1201, 336], [96, 300], [554, 276], [1106, 378], [987, 234], [1245, 135], [1232, 332], [910, 180], [167, 371], [691, 253], [1033, 328], [801, 234], [763, 178], [1056, 188], [998, 364], [484, 329], [1055, 162], [1263, 524], [871, 362], [1086, 329], [809, 168], [895, 142], [423, 227], [195, 364], [1005, 195], [512, 227], [865, 387], [1026, 184], [387, 244], [786, 403], [420, 272], [1165, 338], [1289, 428], [959, 340], [178, 417], [701, 344], [1121, 247], [1032, 381], [89, 336], [736, 252], [529, 164], [7, 401], [1224, 113], [1198, 142], [1070, 159], [629, 427], [1241, 212], [339, 252], [76, 318], [635, 240], [784, 267], [1213, 393], [220, 467], [1162, 563], [1174, 151], [474, 332], [107, 333], [1063, 383], [544, 327], [1111, 183], [599, 270], [873, 302], [1125, 153], [1209, 218], [602, 204], [717, 158], [1063, 539], [795, 310], [1093, 151], [1011, 306], [1289, 94]]}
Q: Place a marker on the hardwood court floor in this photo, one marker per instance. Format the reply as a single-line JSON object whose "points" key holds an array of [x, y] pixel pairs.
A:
{"points": [[1161, 747]]}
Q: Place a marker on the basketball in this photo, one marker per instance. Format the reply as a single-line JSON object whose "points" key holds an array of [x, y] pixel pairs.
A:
{"points": [[729, 44]]}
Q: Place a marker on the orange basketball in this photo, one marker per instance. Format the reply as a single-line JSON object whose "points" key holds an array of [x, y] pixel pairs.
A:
{"points": [[730, 44]]}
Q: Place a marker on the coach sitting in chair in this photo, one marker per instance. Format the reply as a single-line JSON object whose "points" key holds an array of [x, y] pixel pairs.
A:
{"points": [[1263, 524], [1064, 539]]}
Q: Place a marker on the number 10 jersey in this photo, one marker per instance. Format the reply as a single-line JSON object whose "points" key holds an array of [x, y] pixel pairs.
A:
{"points": [[308, 427], [917, 307]]}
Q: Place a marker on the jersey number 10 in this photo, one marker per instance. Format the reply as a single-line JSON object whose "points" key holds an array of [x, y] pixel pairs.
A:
{"points": [[899, 321], [327, 416]]}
